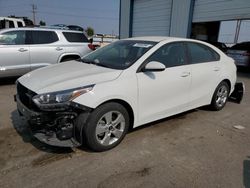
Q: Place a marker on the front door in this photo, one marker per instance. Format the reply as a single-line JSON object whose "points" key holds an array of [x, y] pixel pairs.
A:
{"points": [[14, 54], [164, 93]]}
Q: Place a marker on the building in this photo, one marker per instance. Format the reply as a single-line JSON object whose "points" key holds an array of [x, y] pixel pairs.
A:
{"points": [[200, 19]]}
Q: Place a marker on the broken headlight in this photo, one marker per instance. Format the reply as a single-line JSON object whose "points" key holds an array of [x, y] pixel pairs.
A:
{"points": [[60, 98]]}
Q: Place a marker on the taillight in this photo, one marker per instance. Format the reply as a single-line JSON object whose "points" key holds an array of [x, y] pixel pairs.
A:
{"points": [[91, 46]]}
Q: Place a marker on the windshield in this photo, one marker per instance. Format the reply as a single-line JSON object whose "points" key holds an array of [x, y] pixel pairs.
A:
{"points": [[120, 54]]}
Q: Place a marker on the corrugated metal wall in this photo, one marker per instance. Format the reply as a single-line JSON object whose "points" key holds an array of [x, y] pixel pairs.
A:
{"points": [[218, 10], [151, 17], [181, 18], [173, 17]]}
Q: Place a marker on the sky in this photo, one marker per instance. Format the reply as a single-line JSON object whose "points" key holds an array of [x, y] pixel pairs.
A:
{"points": [[102, 15]]}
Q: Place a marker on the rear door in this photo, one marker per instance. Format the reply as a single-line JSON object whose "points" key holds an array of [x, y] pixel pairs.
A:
{"points": [[44, 48], [77, 43], [14, 53], [206, 69]]}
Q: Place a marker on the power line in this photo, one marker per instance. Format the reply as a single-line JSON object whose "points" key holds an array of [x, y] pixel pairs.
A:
{"points": [[18, 5], [74, 15], [76, 8], [15, 12]]}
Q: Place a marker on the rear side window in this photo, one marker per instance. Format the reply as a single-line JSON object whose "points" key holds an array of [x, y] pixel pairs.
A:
{"points": [[43, 37], [75, 37], [200, 53], [19, 24]]}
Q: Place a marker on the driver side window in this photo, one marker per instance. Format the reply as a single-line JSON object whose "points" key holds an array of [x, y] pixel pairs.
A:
{"points": [[13, 38], [171, 55]]}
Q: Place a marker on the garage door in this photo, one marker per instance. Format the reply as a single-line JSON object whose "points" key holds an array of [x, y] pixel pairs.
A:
{"points": [[211, 10], [151, 17]]}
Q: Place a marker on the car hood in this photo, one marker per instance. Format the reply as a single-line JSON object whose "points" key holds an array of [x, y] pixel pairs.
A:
{"points": [[67, 75]]}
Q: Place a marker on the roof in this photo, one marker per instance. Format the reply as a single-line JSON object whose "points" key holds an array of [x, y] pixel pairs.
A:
{"points": [[164, 38], [39, 29], [9, 18], [159, 38], [149, 38]]}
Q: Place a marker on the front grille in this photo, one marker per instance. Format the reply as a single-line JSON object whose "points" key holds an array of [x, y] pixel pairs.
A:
{"points": [[25, 96]]}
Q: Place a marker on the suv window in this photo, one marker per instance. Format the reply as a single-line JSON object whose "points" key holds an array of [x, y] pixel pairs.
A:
{"points": [[200, 53], [2, 24], [44, 37], [171, 55], [13, 38], [19, 24], [11, 24], [75, 37]]}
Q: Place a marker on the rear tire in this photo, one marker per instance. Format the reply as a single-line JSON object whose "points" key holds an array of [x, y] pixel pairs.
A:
{"points": [[106, 126], [220, 96]]}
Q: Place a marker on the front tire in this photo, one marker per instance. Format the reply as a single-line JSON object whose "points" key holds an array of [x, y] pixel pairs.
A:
{"points": [[220, 96], [106, 126]]}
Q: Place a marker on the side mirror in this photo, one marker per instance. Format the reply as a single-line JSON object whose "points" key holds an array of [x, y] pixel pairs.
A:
{"points": [[154, 66]]}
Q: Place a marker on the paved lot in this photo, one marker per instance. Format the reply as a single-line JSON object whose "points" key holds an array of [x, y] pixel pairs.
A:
{"points": [[199, 148]]}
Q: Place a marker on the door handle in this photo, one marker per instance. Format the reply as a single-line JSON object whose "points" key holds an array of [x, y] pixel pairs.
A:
{"points": [[22, 50], [59, 48], [216, 69], [185, 74]]}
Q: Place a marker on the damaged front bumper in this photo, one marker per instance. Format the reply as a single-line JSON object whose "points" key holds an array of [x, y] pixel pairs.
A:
{"points": [[52, 128]]}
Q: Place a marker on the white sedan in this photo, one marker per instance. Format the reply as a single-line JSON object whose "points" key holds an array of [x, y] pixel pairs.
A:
{"points": [[124, 85]]}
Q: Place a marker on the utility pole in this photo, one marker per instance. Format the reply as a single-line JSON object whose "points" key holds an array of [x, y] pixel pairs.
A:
{"points": [[34, 8]]}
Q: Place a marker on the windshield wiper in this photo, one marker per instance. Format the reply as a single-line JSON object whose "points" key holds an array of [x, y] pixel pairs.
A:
{"points": [[88, 61], [94, 63]]}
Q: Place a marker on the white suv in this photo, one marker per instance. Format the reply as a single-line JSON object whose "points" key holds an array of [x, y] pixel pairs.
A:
{"points": [[124, 85], [26, 49]]}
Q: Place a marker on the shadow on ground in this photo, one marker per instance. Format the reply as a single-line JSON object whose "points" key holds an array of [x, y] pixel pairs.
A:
{"points": [[8, 81], [246, 172], [22, 129]]}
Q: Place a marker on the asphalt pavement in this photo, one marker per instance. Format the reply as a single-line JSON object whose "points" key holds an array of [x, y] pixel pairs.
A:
{"points": [[199, 148]]}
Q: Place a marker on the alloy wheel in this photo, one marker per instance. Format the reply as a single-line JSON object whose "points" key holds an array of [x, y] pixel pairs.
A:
{"points": [[110, 128], [221, 97]]}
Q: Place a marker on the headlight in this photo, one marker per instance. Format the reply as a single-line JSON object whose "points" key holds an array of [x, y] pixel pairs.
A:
{"points": [[59, 98]]}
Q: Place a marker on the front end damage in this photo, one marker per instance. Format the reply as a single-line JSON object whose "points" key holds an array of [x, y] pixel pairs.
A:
{"points": [[56, 128]]}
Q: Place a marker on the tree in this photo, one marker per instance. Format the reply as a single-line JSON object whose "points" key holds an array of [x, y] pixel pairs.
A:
{"points": [[42, 23], [90, 31]]}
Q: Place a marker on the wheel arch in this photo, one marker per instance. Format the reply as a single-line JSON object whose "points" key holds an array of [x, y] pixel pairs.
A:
{"points": [[128, 108], [228, 82], [68, 55]]}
